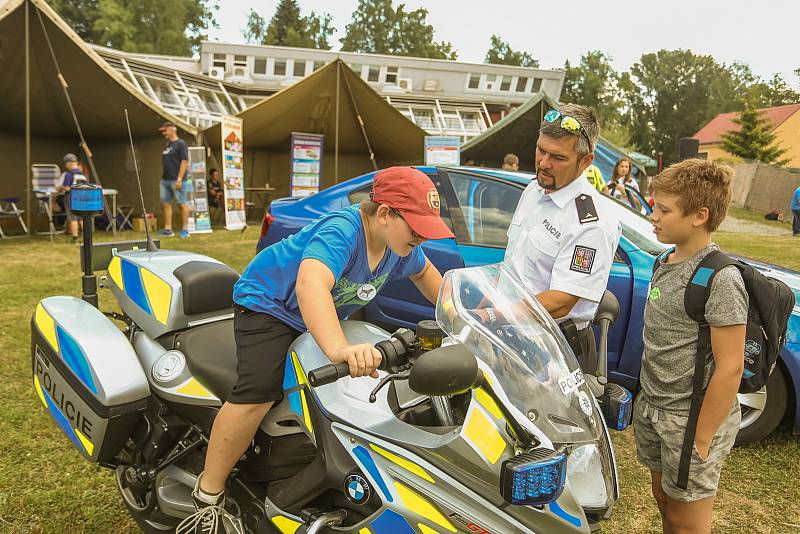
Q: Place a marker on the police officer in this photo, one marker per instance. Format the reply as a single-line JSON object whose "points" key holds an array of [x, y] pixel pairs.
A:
{"points": [[561, 242]]}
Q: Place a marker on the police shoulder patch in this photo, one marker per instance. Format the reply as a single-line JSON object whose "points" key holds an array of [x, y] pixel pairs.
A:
{"points": [[586, 211], [582, 259]]}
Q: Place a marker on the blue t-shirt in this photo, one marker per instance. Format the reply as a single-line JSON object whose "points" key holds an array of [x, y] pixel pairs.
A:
{"points": [[337, 240], [175, 152], [796, 200]]}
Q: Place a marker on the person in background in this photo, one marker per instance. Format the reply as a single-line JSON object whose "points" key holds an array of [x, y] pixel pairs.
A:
{"points": [[71, 176], [214, 187], [795, 207], [511, 162], [175, 158], [595, 177], [621, 175]]}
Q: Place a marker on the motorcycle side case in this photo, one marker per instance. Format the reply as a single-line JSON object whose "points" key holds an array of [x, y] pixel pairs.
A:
{"points": [[87, 375]]}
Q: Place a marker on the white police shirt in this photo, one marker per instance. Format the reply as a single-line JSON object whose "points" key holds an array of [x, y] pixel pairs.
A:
{"points": [[550, 249]]}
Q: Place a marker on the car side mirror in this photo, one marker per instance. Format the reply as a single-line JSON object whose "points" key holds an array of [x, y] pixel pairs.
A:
{"points": [[445, 371]]}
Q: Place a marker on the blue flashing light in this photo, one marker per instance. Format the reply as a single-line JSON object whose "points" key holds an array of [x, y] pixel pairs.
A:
{"points": [[534, 478], [86, 199], [617, 407]]}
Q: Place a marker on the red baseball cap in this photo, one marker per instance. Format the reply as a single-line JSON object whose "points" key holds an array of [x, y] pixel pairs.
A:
{"points": [[412, 193]]}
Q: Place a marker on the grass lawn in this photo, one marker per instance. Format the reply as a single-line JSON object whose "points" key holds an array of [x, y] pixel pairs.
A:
{"points": [[46, 486], [750, 215]]}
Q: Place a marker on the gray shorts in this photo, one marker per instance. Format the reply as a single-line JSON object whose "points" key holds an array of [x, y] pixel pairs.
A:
{"points": [[659, 439]]}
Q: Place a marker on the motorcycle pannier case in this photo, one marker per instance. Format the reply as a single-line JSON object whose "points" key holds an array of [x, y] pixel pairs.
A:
{"points": [[87, 375]]}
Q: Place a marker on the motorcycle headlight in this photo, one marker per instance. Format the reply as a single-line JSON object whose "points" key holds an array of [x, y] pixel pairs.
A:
{"points": [[586, 479], [533, 478]]}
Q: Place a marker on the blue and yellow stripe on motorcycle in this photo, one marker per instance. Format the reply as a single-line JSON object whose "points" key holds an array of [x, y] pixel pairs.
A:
{"points": [[422, 506], [295, 387], [65, 346], [285, 525], [402, 462], [75, 436], [482, 434], [152, 294]]}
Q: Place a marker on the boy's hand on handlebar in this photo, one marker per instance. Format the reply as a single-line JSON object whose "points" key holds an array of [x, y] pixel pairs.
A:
{"points": [[363, 359]]}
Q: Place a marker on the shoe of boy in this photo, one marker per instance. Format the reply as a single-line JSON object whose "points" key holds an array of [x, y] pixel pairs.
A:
{"points": [[209, 517], [166, 232], [183, 234]]}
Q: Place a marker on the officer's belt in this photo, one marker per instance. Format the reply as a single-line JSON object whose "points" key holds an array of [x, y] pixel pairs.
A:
{"points": [[573, 335]]}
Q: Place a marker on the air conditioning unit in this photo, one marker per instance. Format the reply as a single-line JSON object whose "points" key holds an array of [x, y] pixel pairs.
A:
{"points": [[405, 84], [430, 85], [217, 73], [240, 72]]}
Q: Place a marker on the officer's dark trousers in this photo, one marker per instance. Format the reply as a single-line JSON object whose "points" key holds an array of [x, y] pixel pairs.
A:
{"points": [[588, 356], [795, 222]]}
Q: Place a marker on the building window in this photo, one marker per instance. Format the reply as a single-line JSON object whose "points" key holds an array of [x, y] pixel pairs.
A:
{"points": [[491, 82], [219, 60], [391, 75], [474, 81], [239, 61], [299, 68], [318, 65], [374, 74], [522, 81], [505, 85], [537, 85], [280, 67], [260, 65], [425, 119]]}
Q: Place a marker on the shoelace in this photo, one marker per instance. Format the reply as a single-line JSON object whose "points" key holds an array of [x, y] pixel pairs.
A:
{"points": [[209, 519]]}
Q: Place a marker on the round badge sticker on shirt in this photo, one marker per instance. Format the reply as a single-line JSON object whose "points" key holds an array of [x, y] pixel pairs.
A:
{"points": [[366, 292]]}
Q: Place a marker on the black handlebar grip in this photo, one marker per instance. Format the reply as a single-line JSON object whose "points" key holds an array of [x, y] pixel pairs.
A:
{"points": [[328, 374]]}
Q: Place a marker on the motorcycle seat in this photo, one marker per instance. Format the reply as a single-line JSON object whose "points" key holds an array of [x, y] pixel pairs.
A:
{"points": [[210, 352], [206, 286]]}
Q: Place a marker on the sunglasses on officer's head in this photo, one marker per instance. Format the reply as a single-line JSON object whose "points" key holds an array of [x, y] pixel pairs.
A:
{"points": [[568, 123]]}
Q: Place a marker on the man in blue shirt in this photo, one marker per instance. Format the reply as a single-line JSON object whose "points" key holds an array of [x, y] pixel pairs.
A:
{"points": [[310, 281], [175, 158], [796, 212]]}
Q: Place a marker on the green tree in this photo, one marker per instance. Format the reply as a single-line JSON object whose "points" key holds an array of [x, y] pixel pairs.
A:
{"points": [[377, 27], [670, 94], [288, 28], [173, 27], [501, 53], [81, 15], [754, 139]]}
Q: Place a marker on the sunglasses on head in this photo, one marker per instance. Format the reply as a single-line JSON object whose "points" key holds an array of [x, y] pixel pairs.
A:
{"points": [[568, 123]]}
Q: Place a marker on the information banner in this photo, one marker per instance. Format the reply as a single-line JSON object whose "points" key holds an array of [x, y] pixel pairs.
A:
{"points": [[442, 150], [197, 195], [232, 172], [306, 164]]}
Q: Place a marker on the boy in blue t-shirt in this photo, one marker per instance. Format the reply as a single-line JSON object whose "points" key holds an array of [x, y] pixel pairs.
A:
{"points": [[311, 281], [71, 176]]}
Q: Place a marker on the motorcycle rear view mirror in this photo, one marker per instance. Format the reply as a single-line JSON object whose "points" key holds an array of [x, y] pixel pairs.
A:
{"points": [[444, 371]]}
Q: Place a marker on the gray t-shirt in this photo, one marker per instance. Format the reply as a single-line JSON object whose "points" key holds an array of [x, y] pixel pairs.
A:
{"points": [[670, 335]]}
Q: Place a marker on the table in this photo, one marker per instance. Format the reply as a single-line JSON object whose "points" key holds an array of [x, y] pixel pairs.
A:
{"points": [[261, 193]]}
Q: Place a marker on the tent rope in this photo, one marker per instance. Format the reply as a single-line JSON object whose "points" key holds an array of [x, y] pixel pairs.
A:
{"points": [[84, 146]]}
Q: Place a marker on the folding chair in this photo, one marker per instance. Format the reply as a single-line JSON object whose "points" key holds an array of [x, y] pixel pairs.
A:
{"points": [[9, 210], [44, 180]]}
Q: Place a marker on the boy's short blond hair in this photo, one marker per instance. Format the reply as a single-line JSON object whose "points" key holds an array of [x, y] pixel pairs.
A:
{"points": [[698, 184]]}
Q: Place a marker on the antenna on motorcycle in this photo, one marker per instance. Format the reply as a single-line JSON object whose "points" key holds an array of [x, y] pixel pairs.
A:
{"points": [[151, 246]]}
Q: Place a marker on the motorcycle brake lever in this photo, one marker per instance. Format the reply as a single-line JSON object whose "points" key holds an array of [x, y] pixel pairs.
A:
{"points": [[403, 375]]}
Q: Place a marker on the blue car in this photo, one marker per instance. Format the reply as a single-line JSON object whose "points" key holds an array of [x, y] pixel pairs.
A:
{"points": [[477, 204]]}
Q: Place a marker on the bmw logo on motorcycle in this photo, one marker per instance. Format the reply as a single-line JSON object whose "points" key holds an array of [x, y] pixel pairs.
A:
{"points": [[357, 489]]}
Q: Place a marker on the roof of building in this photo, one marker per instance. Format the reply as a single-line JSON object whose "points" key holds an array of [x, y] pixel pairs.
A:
{"points": [[712, 132]]}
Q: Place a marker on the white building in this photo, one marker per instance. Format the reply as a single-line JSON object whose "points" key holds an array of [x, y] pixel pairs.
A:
{"points": [[442, 97]]}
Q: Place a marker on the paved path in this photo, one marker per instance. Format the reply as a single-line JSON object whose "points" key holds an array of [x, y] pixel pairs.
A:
{"points": [[731, 224]]}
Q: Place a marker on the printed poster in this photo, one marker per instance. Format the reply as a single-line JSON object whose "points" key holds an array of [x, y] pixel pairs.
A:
{"points": [[196, 195], [442, 150], [232, 172], [306, 164]]}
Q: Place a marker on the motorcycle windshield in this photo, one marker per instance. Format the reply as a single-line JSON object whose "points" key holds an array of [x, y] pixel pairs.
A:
{"points": [[489, 311]]}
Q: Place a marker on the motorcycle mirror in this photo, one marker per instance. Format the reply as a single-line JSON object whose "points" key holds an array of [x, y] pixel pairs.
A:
{"points": [[608, 308], [445, 371]]}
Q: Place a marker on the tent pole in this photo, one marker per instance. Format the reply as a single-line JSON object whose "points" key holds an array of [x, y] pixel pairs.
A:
{"points": [[361, 123], [336, 136], [28, 117]]}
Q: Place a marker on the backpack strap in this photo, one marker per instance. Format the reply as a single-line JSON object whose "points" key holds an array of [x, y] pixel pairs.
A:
{"points": [[694, 300]]}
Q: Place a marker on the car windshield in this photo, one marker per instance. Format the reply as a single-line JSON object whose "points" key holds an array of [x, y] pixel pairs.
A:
{"points": [[530, 361]]}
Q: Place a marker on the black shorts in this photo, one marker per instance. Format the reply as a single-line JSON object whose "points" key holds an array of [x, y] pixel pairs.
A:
{"points": [[262, 342]]}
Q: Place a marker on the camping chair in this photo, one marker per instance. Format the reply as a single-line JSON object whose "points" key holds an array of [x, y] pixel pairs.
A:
{"points": [[9, 210], [44, 180]]}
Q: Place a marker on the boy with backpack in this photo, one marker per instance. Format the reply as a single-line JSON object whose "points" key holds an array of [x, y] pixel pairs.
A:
{"points": [[705, 315]]}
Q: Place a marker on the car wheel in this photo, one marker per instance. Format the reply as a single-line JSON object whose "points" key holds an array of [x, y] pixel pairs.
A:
{"points": [[762, 410]]}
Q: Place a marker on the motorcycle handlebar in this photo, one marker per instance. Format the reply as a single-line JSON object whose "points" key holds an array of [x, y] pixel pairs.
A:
{"points": [[328, 374]]}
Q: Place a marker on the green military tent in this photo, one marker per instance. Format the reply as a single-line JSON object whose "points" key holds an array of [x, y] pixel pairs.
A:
{"points": [[362, 131], [32, 39], [516, 133]]}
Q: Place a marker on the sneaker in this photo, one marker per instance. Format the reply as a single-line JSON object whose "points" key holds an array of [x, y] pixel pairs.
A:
{"points": [[209, 518], [166, 232], [183, 234]]}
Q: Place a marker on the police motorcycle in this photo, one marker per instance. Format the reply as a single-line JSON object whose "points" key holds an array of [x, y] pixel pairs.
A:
{"points": [[470, 427]]}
